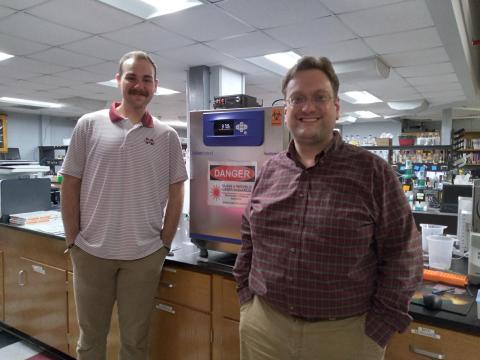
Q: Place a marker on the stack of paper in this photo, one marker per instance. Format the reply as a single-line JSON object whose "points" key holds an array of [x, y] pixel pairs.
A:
{"points": [[34, 217]]}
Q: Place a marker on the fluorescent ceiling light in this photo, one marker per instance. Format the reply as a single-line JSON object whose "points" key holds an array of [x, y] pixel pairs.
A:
{"points": [[346, 119], [160, 90], [30, 102], [148, 9], [175, 123], [278, 63], [366, 114], [5, 56], [359, 97], [285, 59]]}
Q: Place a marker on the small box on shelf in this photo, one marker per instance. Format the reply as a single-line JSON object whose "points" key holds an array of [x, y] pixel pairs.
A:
{"points": [[383, 141]]}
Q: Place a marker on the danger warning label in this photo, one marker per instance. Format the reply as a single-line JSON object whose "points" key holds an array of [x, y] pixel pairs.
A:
{"points": [[230, 184]]}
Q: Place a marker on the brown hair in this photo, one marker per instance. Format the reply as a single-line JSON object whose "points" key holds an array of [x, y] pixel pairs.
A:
{"points": [[136, 55], [312, 63]]}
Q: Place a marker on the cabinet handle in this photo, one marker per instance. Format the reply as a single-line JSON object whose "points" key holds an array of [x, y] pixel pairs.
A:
{"points": [[165, 308], [167, 285], [429, 354], [169, 269], [21, 278]]}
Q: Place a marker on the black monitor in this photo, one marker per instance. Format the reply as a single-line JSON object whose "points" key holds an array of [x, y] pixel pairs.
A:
{"points": [[450, 194], [12, 154]]}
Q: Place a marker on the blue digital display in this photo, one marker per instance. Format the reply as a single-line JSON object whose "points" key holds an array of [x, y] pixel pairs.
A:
{"points": [[234, 128]]}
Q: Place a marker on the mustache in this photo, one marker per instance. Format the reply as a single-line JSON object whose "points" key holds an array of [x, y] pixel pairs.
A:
{"points": [[137, 92]]}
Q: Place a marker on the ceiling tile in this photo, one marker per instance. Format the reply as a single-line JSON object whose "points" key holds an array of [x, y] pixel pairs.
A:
{"points": [[106, 69], [434, 87], [405, 41], [102, 48], [341, 6], [195, 55], [148, 37], [17, 46], [251, 44], [418, 57], [23, 64], [338, 51], [65, 57], [34, 85], [89, 16], [52, 80], [271, 13], [21, 4], [5, 11], [192, 23], [443, 93], [398, 17], [80, 75], [18, 74], [425, 70], [437, 79], [34, 29], [326, 29], [241, 65], [265, 78]]}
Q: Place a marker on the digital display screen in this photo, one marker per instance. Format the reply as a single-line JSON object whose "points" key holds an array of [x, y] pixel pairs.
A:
{"points": [[223, 127]]}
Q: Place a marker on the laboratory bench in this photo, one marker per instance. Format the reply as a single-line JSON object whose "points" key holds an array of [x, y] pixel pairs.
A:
{"points": [[196, 311]]}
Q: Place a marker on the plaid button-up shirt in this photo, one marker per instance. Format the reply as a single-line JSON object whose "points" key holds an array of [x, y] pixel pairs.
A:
{"points": [[334, 240]]}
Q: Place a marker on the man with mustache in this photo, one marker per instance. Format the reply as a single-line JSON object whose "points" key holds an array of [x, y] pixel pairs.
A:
{"points": [[330, 252], [123, 171]]}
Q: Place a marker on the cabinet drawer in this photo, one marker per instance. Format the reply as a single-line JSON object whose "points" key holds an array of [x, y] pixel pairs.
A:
{"points": [[185, 287], [424, 341]]}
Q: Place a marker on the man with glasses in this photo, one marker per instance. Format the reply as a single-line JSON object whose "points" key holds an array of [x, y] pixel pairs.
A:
{"points": [[330, 252]]}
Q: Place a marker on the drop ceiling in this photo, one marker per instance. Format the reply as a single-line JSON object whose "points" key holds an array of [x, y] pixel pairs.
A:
{"points": [[63, 48]]}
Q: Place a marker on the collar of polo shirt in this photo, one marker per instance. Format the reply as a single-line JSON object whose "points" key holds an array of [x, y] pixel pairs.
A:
{"points": [[147, 119]]}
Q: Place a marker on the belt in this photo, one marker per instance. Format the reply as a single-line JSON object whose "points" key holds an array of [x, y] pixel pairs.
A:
{"points": [[322, 319]]}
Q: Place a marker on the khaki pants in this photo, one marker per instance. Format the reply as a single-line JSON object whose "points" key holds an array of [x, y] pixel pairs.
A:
{"points": [[98, 283], [266, 334]]}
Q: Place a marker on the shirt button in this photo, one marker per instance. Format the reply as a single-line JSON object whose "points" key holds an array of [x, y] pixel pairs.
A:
{"points": [[300, 194], [292, 250], [291, 307]]}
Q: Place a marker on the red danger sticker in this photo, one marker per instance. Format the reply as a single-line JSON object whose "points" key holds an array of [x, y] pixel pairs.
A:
{"points": [[232, 173]]}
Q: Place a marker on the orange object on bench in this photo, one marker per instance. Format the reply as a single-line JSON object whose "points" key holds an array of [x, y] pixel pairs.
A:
{"points": [[445, 277]]}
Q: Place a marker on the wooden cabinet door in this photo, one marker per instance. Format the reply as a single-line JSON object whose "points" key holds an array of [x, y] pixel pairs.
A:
{"points": [[225, 319], [424, 341], [179, 333], [113, 340], [36, 301], [2, 296], [227, 340]]}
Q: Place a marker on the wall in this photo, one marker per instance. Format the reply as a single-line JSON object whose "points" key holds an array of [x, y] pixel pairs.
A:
{"points": [[27, 132], [374, 129], [467, 124]]}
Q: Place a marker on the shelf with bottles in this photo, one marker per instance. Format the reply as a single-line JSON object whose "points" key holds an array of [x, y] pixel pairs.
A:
{"points": [[421, 155], [430, 167], [466, 141]]}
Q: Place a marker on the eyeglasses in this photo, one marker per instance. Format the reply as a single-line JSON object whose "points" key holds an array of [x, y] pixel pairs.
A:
{"points": [[301, 100]]}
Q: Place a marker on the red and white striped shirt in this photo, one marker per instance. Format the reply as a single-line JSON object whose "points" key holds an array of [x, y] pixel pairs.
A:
{"points": [[331, 241], [126, 171]]}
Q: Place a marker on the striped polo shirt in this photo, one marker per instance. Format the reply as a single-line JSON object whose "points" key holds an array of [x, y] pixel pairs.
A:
{"points": [[126, 171]]}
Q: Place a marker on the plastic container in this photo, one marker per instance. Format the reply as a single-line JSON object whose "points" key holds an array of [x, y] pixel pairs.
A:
{"points": [[430, 229], [440, 248]]}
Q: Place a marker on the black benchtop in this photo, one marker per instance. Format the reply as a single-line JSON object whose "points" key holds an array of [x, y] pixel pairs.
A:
{"points": [[187, 255]]}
